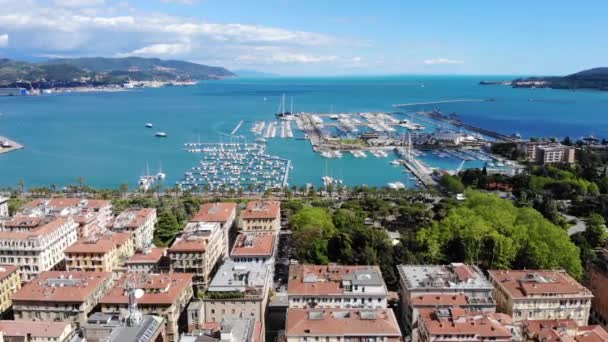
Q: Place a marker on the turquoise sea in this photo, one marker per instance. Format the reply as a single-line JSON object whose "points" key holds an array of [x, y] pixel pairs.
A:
{"points": [[101, 136]]}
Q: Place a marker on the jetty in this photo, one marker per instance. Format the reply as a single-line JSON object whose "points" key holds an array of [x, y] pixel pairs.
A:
{"points": [[455, 122], [237, 128], [7, 145]]}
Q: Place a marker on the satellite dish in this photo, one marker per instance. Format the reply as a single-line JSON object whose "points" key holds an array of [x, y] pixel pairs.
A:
{"points": [[139, 293]]}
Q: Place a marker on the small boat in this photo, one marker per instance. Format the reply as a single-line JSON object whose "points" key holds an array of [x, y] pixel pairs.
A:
{"points": [[260, 140], [161, 134], [149, 125], [395, 162]]}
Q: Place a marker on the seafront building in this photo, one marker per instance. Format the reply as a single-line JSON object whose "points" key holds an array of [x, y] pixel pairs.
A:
{"points": [[91, 215], [10, 283], [61, 296], [237, 290], [139, 222], [197, 251], [223, 213], [105, 252], [35, 244], [19, 331], [254, 247], [261, 216], [457, 324], [165, 295], [546, 152], [150, 260], [3, 207], [456, 283], [541, 294], [339, 324], [336, 286]]}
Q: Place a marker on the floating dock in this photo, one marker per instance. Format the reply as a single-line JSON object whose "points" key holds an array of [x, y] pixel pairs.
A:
{"points": [[237, 128], [7, 145]]}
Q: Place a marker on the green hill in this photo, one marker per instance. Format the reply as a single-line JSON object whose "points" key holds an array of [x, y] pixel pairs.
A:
{"points": [[596, 78], [103, 71]]}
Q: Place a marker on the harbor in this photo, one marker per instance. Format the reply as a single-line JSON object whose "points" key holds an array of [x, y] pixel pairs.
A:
{"points": [[235, 167], [7, 145]]}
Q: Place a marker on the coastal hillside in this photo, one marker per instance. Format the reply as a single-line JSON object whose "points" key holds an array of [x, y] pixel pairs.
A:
{"points": [[103, 71], [596, 78]]}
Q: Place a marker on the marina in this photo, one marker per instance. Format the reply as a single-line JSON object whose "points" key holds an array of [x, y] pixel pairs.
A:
{"points": [[234, 167]]}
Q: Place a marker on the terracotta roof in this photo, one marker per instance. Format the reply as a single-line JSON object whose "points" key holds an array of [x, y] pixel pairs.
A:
{"points": [[262, 210], [6, 271], [464, 273], [440, 300], [591, 333], [99, 244], [546, 328], [215, 212], [326, 279], [58, 286], [457, 321], [159, 288], [341, 322], [23, 222], [132, 218], [252, 244], [152, 257], [524, 283], [190, 244], [43, 227], [67, 202], [35, 329]]}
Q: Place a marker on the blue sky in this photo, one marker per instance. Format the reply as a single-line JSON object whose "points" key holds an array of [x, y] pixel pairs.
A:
{"points": [[313, 37]]}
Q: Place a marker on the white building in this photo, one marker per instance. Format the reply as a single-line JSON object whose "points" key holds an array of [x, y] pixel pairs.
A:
{"points": [[334, 286], [36, 244], [3, 206], [139, 222]]}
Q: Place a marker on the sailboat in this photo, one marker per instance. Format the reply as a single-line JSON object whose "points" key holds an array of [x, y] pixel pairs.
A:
{"points": [[160, 175], [282, 113], [146, 180]]}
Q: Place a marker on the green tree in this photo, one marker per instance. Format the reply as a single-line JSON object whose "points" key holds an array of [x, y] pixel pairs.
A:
{"points": [[452, 184], [595, 234]]}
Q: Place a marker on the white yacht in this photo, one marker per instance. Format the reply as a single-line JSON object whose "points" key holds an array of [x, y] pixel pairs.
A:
{"points": [[161, 134]]}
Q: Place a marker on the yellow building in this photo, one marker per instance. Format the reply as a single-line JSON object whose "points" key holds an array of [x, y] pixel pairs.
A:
{"points": [[261, 216], [105, 252], [10, 282]]}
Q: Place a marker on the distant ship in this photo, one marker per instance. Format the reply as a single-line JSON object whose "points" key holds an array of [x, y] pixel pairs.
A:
{"points": [[161, 134], [149, 125]]}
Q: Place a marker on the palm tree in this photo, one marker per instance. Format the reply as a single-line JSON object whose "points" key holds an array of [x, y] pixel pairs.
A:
{"points": [[123, 189], [21, 185], [80, 184]]}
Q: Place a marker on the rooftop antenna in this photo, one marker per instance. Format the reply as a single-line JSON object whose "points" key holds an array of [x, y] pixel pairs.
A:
{"points": [[134, 316]]}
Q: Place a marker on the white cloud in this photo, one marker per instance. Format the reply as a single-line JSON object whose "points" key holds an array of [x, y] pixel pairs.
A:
{"points": [[301, 58], [3, 40], [442, 61], [79, 3], [158, 50]]}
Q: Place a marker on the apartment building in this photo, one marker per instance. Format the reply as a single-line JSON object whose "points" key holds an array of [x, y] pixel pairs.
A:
{"points": [[105, 252], [149, 260], [541, 294], [61, 296], [10, 283], [457, 324], [230, 329], [4, 207], [92, 216], [19, 331], [565, 330], [197, 251], [139, 222], [597, 282], [223, 213], [336, 286], [254, 247], [261, 216], [546, 152], [438, 280], [35, 244], [238, 290], [334, 325], [165, 295], [102, 327]]}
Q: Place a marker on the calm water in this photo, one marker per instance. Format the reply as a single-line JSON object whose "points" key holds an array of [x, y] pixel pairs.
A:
{"points": [[102, 137]]}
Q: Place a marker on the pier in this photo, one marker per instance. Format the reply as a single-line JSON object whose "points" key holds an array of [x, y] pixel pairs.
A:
{"points": [[460, 124], [419, 171], [237, 127], [7, 145]]}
